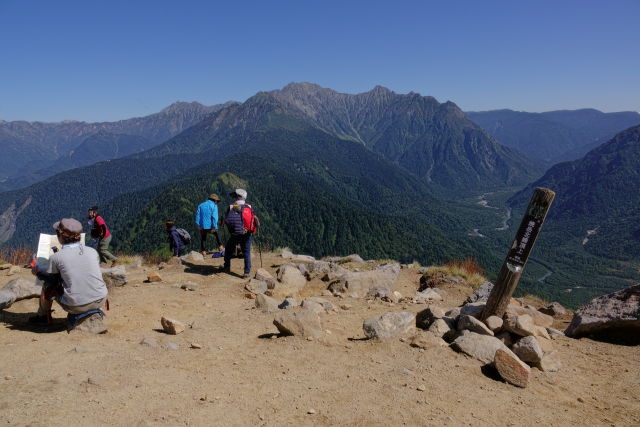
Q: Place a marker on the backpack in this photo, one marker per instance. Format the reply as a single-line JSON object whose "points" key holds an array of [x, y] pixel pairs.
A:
{"points": [[241, 220], [184, 236]]}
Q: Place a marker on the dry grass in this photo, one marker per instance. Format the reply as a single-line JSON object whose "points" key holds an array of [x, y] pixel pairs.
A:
{"points": [[149, 258], [468, 269], [16, 256]]}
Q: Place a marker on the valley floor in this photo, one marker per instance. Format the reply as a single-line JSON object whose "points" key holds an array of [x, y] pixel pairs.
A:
{"points": [[245, 375]]}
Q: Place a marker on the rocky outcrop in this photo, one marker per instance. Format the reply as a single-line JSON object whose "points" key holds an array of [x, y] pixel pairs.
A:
{"points": [[357, 284], [613, 317], [19, 289]]}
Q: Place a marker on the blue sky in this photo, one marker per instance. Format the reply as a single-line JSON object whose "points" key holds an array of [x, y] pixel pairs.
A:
{"points": [[110, 60]]}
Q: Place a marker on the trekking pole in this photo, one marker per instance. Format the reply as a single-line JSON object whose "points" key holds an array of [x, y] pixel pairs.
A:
{"points": [[259, 249]]}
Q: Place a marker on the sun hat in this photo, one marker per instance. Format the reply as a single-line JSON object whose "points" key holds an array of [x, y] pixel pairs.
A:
{"points": [[214, 197], [68, 225]]}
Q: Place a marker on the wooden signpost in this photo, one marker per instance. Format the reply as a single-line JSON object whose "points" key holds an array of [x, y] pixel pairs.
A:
{"points": [[516, 259]]}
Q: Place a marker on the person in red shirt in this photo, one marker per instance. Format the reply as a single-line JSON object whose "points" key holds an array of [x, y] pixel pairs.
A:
{"points": [[101, 232]]}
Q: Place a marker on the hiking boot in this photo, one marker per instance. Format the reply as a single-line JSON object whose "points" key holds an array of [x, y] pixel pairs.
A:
{"points": [[245, 275], [204, 253], [38, 319]]}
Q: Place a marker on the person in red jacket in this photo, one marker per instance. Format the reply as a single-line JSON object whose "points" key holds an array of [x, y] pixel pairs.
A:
{"points": [[101, 232]]}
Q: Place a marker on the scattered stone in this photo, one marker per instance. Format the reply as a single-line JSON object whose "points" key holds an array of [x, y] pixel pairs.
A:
{"points": [[189, 286], [311, 411], [388, 325], [93, 324], [192, 256], [426, 340], [554, 309], [550, 362], [511, 369], [313, 302], [195, 345], [286, 253], [19, 289], [506, 338], [528, 349], [481, 347], [303, 323], [151, 342], [474, 325], [288, 303], [539, 319], [266, 277], [290, 276], [172, 326], [266, 304], [256, 286], [473, 309], [545, 344], [613, 317], [115, 276], [494, 323], [426, 296], [519, 325], [443, 328], [481, 294], [421, 387], [8, 377], [426, 317], [154, 276]]}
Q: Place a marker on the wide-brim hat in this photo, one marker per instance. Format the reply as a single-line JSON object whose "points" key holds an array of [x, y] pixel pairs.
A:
{"points": [[69, 225], [214, 197]]}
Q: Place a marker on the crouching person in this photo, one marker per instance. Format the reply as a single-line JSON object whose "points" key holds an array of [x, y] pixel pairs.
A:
{"points": [[73, 278]]}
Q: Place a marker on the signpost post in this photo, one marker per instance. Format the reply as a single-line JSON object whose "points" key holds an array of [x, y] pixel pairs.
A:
{"points": [[516, 259]]}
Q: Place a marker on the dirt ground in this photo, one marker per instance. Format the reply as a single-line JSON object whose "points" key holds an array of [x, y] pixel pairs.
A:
{"points": [[245, 375]]}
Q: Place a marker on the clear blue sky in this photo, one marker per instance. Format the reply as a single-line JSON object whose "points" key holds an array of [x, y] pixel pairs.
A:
{"points": [[110, 60]]}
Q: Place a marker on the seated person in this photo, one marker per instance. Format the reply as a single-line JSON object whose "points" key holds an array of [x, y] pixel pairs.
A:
{"points": [[73, 276]]}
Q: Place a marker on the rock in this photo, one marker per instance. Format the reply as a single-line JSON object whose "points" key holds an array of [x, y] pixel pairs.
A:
{"points": [[19, 289], [443, 328], [265, 276], [554, 309], [288, 303], [115, 276], [171, 346], [545, 344], [426, 317], [472, 324], [511, 369], [172, 326], [388, 325], [266, 304], [193, 256], [454, 313], [426, 296], [256, 286], [358, 284], [303, 269], [196, 346], [14, 269], [314, 302], [290, 276], [481, 347], [286, 253], [79, 349], [519, 325], [506, 338], [426, 340], [353, 258], [174, 260], [317, 269], [98, 380], [150, 342], [5, 266], [93, 324], [494, 323], [189, 286], [554, 333], [303, 258], [550, 362], [380, 292], [153, 276], [303, 323], [481, 294], [541, 332], [311, 411], [421, 387], [614, 317], [528, 349], [539, 319], [473, 309]]}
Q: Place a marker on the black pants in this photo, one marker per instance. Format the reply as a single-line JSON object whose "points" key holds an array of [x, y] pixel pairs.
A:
{"points": [[245, 243], [203, 238]]}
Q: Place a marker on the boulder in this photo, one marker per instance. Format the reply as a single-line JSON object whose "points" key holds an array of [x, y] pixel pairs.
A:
{"points": [[550, 362], [443, 328], [317, 269], [426, 340], [93, 324], [172, 326], [454, 313], [472, 324], [304, 323], [266, 304], [481, 294], [505, 337], [192, 256], [481, 347], [388, 325], [291, 277], [545, 344], [352, 258], [357, 284], [473, 309], [511, 369], [426, 296], [528, 349], [426, 317], [286, 253], [19, 289], [539, 319], [115, 276], [266, 277], [288, 303], [519, 325], [382, 293], [494, 323], [554, 309], [614, 317], [303, 269], [303, 258], [154, 276], [313, 303], [256, 286]]}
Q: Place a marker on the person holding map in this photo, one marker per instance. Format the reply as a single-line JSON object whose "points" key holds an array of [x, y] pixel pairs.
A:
{"points": [[72, 277]]}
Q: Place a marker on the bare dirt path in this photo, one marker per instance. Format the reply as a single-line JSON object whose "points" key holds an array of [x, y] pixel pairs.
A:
{"points": [[243, 374]]}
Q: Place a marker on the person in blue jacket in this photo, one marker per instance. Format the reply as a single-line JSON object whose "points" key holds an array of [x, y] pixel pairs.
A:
{"points": [[207, 221], [176, 244]]}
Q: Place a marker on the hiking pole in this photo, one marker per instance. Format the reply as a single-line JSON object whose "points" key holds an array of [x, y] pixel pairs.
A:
{"points": [[259, 249]]}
